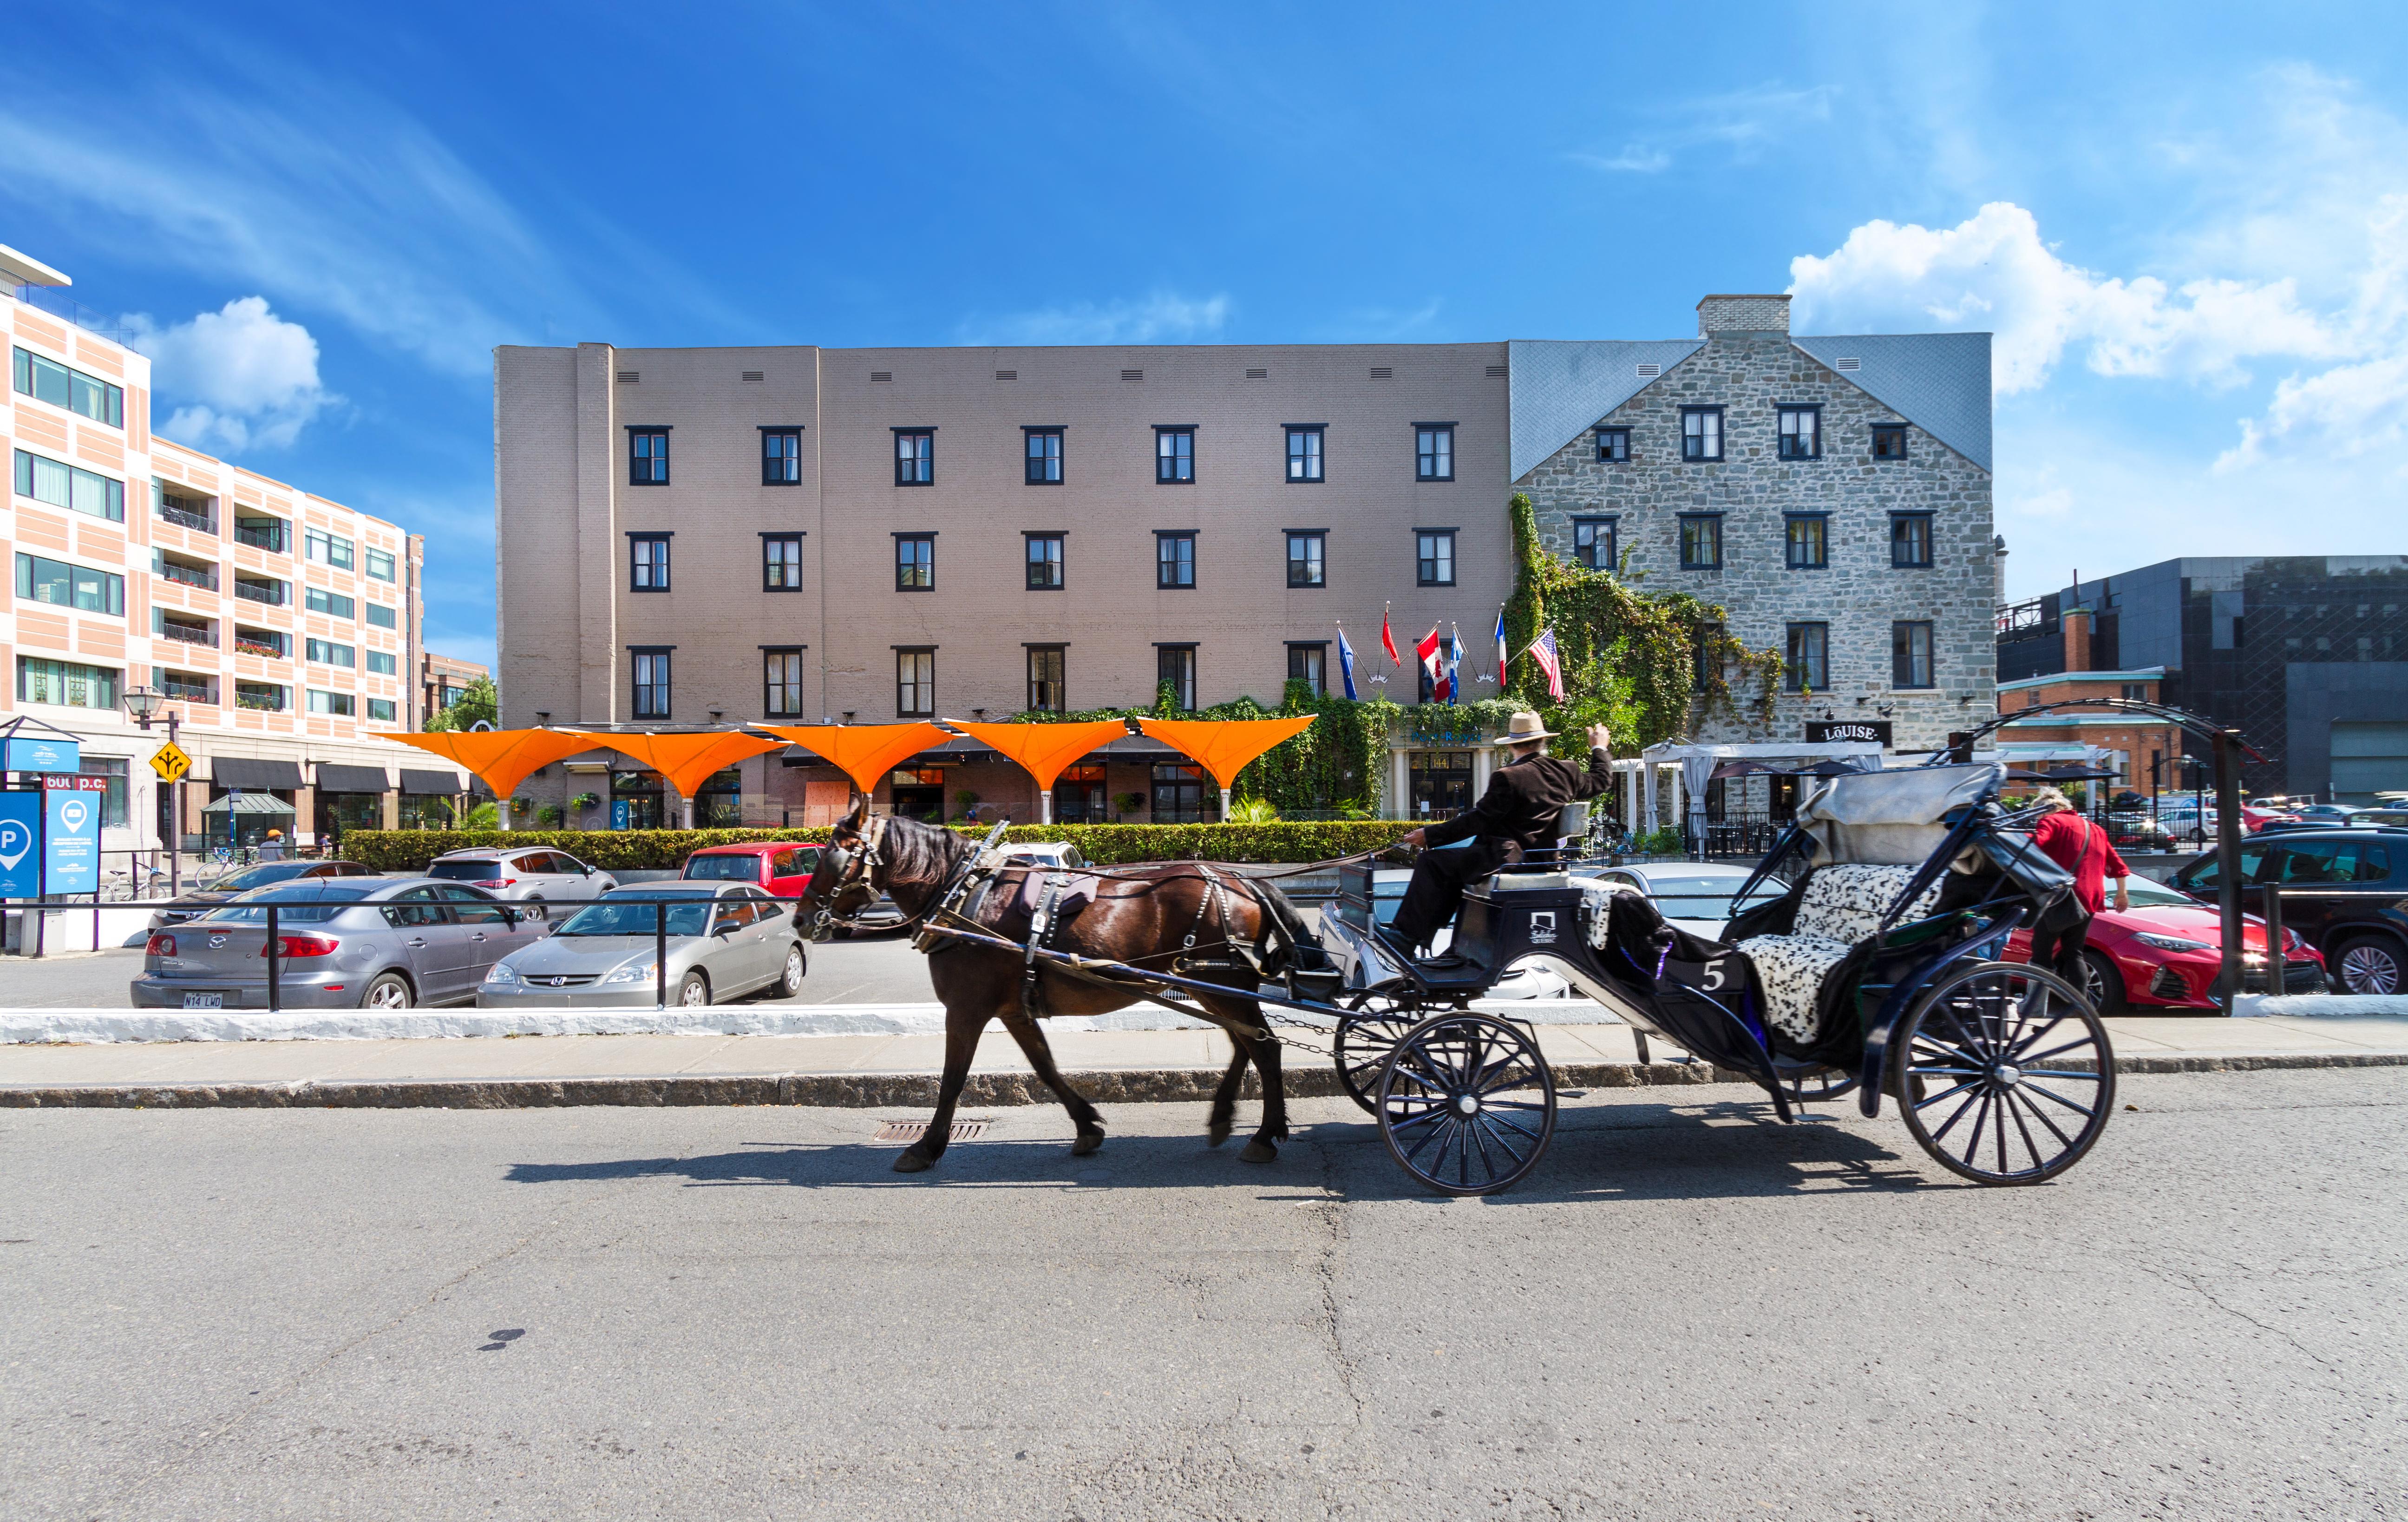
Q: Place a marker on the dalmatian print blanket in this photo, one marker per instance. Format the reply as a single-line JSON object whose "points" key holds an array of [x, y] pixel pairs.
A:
{"points": [[1843, 905]]}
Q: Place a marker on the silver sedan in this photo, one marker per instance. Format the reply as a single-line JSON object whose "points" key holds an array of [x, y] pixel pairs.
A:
{"points": [[379, 943], [724, 941]]}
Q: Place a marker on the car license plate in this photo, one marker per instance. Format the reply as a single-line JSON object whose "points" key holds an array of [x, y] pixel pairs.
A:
{"points": [[205, 1002]]}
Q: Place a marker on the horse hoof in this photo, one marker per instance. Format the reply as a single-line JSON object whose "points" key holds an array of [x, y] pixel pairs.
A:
{"points": [[1259, 1150], [1216, 1133], [1088, 1142], [911, 1162]]}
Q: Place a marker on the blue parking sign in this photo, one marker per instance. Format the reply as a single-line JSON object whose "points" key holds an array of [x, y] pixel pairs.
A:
{"points": [[618, 813], [71, 841], [20, 833]]}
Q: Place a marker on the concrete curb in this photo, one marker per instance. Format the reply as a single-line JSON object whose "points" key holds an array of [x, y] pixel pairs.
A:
{"points": [[857, 1091]]}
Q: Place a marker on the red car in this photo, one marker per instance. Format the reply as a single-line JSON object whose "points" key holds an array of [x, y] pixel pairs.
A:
{"points": [[779, 869], [2165, 951]]}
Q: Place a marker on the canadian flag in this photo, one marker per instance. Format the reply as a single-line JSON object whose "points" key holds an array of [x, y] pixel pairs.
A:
{"points": [[1427, 649]]}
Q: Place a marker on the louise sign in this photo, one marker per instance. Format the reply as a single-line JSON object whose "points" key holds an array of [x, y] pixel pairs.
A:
{"points": [[25, 753], [1824, 731]]}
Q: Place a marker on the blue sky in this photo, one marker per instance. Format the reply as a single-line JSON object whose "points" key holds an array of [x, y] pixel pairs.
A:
{"points": [[2188, 225]]}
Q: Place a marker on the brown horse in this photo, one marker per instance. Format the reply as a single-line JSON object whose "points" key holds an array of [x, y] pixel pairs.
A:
{"points": [[1156, 917]]}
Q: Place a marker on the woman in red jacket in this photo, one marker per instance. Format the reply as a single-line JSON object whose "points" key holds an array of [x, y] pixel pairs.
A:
{"points": [[2081, 848]]}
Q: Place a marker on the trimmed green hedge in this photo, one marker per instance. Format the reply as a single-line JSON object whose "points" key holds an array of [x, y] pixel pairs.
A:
{"points": [[1108, 845]]}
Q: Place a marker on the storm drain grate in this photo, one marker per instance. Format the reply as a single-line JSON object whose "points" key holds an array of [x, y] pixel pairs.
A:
{"points": [[911, 1130]]}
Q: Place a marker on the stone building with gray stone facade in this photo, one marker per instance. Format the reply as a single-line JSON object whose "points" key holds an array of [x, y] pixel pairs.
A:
{"points": [[1832, 493]]}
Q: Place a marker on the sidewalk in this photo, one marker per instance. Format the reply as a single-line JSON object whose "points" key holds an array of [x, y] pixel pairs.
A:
{"points": [[900, 1070]]}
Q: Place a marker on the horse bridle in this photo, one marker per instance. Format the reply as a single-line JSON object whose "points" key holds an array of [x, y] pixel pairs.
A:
{"points": [[858, 863]]}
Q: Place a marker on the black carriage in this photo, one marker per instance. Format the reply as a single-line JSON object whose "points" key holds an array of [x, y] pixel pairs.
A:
{"points": [[1878, 972]]}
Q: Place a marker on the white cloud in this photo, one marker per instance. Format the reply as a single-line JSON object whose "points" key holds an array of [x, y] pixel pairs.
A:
{"points": [[244, 376], [1993, 271], [1741, 121], [1163, 317]]}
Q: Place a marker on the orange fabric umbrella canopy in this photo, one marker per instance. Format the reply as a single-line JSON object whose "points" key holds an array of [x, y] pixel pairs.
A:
{"points": [[1044, 749], [863, 752], [688, 761], [1223, 746], [503, 758]]}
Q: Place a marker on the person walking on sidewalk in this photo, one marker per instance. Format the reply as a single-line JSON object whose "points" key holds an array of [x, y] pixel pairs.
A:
{"points": [[2081, 848], [1517, 813]]}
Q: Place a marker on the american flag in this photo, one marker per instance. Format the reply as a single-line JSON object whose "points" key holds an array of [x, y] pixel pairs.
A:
{"points": [[1551, 662]]}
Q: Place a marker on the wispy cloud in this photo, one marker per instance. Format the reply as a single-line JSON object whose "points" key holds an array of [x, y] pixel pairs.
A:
{"points": [[1741, 123], [242, 376], [1162, 317]]}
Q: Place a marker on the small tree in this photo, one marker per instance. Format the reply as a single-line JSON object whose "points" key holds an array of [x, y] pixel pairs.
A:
{"points": [[478, 700]]}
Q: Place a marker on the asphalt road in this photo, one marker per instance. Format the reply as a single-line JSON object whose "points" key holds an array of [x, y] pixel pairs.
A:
{"points": [[868, 972], [1689, 1313]]}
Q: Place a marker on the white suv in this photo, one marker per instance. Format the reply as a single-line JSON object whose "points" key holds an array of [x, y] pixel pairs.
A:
{"points": [[533, 875]]}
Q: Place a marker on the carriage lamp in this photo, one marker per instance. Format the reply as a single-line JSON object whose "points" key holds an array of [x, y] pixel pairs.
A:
{"points": [[715, 711], [142, 705]]}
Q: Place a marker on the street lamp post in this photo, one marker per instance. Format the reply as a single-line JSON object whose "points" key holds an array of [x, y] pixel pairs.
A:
{"points": [[146, 707]]}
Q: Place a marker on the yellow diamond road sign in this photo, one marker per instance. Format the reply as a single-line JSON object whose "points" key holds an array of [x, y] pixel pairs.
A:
{"points": [[171, 763]]}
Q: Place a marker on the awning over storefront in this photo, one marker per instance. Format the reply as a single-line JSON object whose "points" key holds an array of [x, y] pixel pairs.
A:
{"points": [[865, 751], [436, 784], [337, 779], [250, 773]]}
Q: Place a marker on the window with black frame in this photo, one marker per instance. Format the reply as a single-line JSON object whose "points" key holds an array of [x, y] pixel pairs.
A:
{"points": [[1308, 662], [1174, 456], [1889, 441], [1175, 668], [1593, 543], [1433, 451], [1044, 561], [1910, 655], [647, 456], [1809, 664], [781, 562], [1174, 559], [915, 456], [1701, 434], [915, 684], [1613, 445], [1910, 540], [1178, 793], [1305, 567], [1433, 557], [781, 681], [1043, 456], [1047, 683], [916, 562], [648, 561], [1304, 454], [651, 669], [1701, 541], [1808, 537], [1800, 435], [782, 456]]}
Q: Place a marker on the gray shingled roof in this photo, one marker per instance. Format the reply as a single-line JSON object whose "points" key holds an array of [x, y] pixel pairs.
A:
{"points": [[1939, 382], [1560, 387]]}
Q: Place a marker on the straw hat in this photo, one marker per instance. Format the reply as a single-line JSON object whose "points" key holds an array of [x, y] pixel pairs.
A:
{"points": [[1525, 727]]}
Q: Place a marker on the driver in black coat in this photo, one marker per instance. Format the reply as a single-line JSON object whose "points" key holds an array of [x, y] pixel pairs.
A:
{"points": [[1517, 813]]}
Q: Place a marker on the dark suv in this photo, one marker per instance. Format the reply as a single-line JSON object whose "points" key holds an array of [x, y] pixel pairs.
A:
{"points": [[2345, 892]]}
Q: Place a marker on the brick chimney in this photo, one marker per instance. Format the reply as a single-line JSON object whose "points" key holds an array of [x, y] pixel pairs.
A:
{"points": [[2076, 623], [1743, 314]]}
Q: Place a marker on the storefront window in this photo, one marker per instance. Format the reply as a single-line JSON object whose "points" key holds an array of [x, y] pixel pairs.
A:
{"points": [[1441, 782], [1078, 796], [719, 805], [1179, 795], [634, 800]]}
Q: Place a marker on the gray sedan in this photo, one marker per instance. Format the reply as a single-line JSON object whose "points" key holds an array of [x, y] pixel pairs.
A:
{"points": [[378, 943], [725, 941]]}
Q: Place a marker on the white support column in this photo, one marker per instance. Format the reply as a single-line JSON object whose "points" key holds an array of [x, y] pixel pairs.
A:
{"points": [[1224, 806], [501, 807], [1044, 804], [1629, 795], [1401, 792], [689, 809]]}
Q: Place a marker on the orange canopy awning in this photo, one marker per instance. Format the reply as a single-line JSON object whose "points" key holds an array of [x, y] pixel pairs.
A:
{"points": [[688, 761], [863, 752], [1044, 749], [1223, 746], [503, 758]]}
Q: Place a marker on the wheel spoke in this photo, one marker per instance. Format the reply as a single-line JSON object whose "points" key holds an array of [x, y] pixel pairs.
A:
{"points": [[1426, 1141], [2046, 1092], [2041, 1115], [1474, 1134], [1502, 1121], [1971, 1155], [2002, 1122], [1506, 1147], [1435, 1111], [1954, 1115], [2061, 1072], [2024, 1061]]}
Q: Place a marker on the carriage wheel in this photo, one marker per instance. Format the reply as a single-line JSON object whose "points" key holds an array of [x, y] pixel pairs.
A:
{"points": [[2004, 1073], [1466, 1104], [1364, 1041]]}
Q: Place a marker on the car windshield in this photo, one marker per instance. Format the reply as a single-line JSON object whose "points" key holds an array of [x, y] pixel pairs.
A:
{"points": [[1689, 896], [259, 877], [727, 869], [296, 903], [2147, 895], [631, 917], [467, 871]]}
